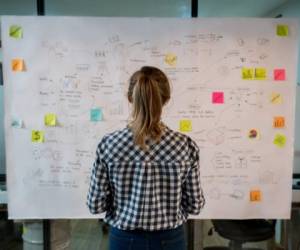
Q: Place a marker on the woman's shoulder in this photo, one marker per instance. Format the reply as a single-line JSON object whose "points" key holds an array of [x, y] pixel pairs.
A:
{"points": [[116, 136], [181, 137]]}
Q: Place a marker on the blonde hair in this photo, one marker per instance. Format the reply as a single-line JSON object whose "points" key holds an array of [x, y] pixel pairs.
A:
{"points": [[148, 91]]}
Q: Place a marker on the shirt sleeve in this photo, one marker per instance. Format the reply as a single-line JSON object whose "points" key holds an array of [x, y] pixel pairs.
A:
{"points": [[192, 194], [99, 193]]}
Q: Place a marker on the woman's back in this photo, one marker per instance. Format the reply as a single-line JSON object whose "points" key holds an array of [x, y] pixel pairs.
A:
{"points": [[150, 189], [146, 176]]}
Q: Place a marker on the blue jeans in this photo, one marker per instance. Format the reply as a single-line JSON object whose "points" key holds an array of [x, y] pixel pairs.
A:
{"points": [[171, 239]]}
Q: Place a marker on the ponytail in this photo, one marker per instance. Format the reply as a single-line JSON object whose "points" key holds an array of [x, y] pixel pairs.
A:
{"points": [[148, 91]]}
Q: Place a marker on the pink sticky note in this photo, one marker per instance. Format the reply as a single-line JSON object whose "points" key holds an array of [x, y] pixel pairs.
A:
{"points": [[217, 97], [279, 74]]}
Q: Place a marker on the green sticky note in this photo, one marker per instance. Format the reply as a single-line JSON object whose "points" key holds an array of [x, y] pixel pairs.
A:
{"points": [[247, 73], [280, 140], [16, 31], [96, 115], [37, 136], [260, 73], [282, 30], [50, 120]]}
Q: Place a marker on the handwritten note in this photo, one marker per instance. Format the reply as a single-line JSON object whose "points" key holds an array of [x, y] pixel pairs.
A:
{"points": [[50, 120], [260, 74], [171, 59], [255, 195], [18, 65], [279, 140], [218, 97], [96, 114], [16, 31], [279, 74], [282, 30], [276, 98], [247, 73], [278, 122], [185, 125], [37, 136]]}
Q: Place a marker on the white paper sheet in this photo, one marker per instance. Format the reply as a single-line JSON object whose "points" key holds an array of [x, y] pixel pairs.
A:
{"points": [[75, 64]]}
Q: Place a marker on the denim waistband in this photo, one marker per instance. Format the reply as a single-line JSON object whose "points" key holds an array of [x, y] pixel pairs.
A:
{"points": [[165, 233]]}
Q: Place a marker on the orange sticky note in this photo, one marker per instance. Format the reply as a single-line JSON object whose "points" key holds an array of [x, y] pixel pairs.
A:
{"points": [[255, 195], [278, 122], [18, 65]]}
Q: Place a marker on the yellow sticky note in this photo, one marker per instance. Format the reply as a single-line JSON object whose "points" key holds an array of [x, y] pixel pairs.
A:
{"points": [[15, 31], [278, 122], [276, 98], [247, 73], [255, 195], [50, 120], [260, 74], [279, 140], [18, 65], [171, 59], [282, 30], [185, 125], [37, 136]]}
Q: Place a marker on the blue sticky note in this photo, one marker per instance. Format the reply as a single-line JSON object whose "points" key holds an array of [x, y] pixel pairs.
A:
{"points": [[96, 114]]}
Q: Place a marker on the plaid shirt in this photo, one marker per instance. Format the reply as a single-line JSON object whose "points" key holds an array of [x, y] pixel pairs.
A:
{"points": [[150, 189]]}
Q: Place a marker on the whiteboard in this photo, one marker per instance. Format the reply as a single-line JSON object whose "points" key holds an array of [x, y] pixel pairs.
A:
{"points": [[233, 86]]}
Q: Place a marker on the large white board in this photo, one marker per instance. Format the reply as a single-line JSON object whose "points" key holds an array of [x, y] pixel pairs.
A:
{"points": [[73, 65]]}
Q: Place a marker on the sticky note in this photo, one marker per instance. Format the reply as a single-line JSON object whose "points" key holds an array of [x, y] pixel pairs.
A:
{"points": [[278, 122], [50, 120], [247, 73], [276, 98], [15, 31], [17, 123], [282, 30], [217, 97], [18, 65], [37, 136], [260, 74], [253, 134], [185, 125], [171, 59], [255, 195], [279, 74], [279, 140], [96, 114]]}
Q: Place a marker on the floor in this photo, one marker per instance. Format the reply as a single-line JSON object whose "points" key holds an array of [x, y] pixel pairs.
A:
{"points": [[93, 235]]}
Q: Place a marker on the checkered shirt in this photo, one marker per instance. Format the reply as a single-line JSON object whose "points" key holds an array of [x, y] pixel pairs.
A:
{"points": [[150, 189]]}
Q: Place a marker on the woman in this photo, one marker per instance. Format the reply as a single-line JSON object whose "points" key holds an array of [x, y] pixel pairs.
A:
{"points": [[146, 176]]}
